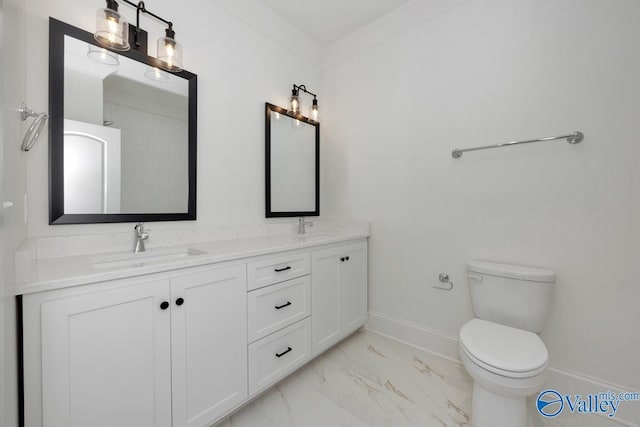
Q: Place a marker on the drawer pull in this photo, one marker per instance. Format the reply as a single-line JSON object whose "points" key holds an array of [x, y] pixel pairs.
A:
{"points": [[284, 352], [278, 307], [278, 270]]}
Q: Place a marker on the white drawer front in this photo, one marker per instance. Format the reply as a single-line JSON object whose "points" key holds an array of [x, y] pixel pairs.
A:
{"points": [[273, 357], [277, 269], [276, 306]]}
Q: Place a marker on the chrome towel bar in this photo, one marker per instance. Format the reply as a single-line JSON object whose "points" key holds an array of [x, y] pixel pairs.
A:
{"points": [[572, 138]]}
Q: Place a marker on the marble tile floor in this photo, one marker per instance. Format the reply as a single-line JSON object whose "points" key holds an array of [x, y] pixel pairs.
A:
{"points": [[367, 380]]}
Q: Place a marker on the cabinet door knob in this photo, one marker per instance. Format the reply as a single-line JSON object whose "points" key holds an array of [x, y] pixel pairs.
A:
{"points": [[180, 301], [284, 352], [342, 259], [164, 305], [278, 270], [278, 307], [347, 258]]}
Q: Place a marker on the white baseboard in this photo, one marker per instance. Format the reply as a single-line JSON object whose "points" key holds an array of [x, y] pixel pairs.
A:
{"points": [[430, 340], [446, 345]]}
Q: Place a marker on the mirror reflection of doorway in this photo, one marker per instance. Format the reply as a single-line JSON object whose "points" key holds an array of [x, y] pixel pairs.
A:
{"points": [[92, 168]]}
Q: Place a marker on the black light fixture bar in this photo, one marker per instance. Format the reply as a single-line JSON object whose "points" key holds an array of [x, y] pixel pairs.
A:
{"points": [[140, 35], [304, 89], [141, 8]]}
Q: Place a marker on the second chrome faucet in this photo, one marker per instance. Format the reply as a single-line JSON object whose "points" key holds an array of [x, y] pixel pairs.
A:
{"points": [[302, 225], [141, 236]]}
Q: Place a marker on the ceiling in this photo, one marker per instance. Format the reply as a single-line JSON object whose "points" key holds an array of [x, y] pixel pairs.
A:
{"points": [[327, 21]]}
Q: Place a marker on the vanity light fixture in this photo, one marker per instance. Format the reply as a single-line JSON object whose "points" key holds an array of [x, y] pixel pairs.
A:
{"points": [[296, 104], [113, 32]]}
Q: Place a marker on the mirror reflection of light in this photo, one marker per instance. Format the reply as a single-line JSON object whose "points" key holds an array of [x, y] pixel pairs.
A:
{"points": [[276, 115], [102, 55], [157, 75]]}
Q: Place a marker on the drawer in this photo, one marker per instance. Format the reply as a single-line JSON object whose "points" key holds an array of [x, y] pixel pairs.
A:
{"points": [[277, 269], [275, 356], [276, 306]]}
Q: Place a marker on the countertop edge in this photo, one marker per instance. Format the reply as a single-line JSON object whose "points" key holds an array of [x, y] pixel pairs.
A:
{"points": [[196, 261]]}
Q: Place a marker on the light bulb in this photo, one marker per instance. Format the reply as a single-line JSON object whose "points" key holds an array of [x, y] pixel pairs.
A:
{"points": [[314, 113], [112, 30], [170, 52]]}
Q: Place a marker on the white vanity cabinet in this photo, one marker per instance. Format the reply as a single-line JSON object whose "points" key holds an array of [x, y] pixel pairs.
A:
{"points": [[185, 347], [140, 353], [339, 289]]}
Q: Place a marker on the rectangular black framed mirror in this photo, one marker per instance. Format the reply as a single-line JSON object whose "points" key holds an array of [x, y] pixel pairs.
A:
{"points": [[122, 134], [292, 169]]}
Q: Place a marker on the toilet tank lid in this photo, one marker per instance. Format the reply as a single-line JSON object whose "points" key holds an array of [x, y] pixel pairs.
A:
{"points": [[522, 272]]}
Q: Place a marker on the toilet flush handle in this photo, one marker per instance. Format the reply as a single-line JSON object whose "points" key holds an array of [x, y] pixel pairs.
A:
{"points": [[475, 277]]}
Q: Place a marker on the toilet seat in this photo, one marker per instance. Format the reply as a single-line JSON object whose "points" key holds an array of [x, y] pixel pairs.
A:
{"points": [[504, 350]]}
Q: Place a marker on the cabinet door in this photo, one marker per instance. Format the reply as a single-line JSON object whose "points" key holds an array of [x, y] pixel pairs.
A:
{"points": [[106, 358], [325, 294], [353, 287], [209, 344], [338, 293]]}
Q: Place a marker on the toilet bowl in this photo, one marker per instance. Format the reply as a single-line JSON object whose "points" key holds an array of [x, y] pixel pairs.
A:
{"points": [[507, 365], [500, 348]]}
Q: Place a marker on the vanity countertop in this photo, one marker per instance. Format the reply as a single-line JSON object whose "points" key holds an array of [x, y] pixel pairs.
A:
{"points": [[57, 273]]}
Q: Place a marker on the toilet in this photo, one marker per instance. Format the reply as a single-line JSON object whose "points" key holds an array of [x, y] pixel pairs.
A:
{"points": [[500, 348]]}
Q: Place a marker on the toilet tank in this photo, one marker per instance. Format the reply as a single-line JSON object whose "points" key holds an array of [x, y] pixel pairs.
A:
{"points": [[512, 295]]}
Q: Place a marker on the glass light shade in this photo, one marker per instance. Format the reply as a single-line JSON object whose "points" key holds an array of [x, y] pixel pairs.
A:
{"points": [[103, 55], [314, 113], [296, 105], [112, 30], [170, 54], [157, 75]]}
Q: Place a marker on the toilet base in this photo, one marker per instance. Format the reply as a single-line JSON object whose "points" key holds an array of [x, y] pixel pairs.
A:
{"points": [[491, 410]]}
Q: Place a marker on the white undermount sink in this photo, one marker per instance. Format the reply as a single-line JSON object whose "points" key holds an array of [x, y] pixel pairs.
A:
{"points": [[150, 257], [308, 238]]}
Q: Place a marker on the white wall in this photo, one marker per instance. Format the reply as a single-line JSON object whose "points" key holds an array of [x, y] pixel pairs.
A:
{"points": [[12, 188], [402, 93], [240, 64]]}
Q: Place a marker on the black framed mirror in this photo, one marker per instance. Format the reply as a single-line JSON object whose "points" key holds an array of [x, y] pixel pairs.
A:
{"points": [[122, 134], [292, 169]]}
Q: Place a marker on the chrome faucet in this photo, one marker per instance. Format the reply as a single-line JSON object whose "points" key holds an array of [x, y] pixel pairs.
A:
{"points": [[141, 236], [302, 224]]}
